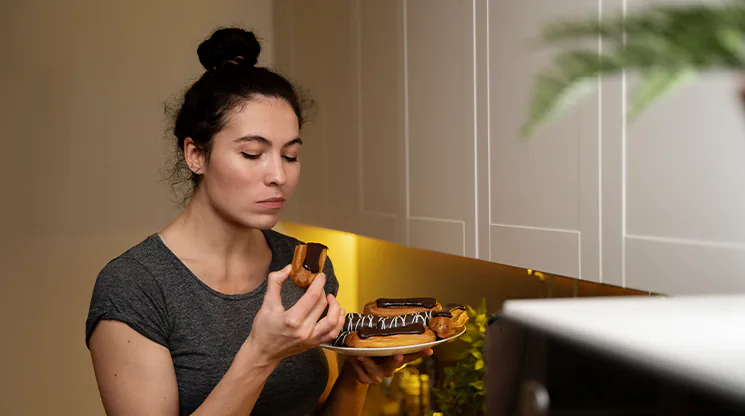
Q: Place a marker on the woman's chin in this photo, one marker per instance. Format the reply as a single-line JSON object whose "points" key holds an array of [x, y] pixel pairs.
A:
{"points": [[262, 221]]}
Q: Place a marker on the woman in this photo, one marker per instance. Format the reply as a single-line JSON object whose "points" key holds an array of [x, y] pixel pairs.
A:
{"points": [[199, 318]]}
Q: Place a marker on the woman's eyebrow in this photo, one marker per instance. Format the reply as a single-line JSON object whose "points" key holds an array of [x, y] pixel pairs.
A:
{"points": [[253, 138], [293, 142], [264, 141]]}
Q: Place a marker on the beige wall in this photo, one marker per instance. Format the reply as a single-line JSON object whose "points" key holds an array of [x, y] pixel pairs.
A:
{"points": [[82, 86]]}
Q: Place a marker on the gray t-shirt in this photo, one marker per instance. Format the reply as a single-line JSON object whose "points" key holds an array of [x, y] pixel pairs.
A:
{"points": [[151, 290]]}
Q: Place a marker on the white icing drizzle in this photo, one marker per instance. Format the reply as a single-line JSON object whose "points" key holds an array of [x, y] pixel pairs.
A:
{"points": [[341, 340], [355, 321]]}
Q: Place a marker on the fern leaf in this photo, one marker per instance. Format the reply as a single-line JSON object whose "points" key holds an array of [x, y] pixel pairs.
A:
{"points": [[653, 86], [552, 99], [668, 45]]}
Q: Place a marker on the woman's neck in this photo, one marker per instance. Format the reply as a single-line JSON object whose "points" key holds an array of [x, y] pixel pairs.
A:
{"points": [[206, 231]]}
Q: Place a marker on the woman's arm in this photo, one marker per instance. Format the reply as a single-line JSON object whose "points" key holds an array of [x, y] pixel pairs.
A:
{"points": [[347, 395], [136, 377]]}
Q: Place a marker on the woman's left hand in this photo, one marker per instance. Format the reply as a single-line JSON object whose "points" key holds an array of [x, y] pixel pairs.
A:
{"points": [[372, 370]]}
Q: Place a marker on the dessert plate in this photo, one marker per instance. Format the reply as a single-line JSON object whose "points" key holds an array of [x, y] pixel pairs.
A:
{"points": [[389, 351]]}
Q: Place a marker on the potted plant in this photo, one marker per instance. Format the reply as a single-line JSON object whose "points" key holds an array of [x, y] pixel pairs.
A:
{"points": [[461, 392], [665, 45]]}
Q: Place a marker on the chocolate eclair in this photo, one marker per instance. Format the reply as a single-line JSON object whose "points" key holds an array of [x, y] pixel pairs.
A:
{"points": [[411, 334], [354, 321], [341, 339], [401, 306], [449, 321], [307, 263]]}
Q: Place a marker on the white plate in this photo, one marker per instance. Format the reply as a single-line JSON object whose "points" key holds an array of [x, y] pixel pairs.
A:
{"points": [[389, 351]]}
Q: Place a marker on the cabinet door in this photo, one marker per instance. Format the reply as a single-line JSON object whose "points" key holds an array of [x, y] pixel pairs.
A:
{"points": [[348, 57], [440, 138], [391, 152], [675, 194], [543, 194]]}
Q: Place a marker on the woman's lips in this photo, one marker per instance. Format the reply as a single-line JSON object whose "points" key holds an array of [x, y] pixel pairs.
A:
{"points": [[272, 203]]}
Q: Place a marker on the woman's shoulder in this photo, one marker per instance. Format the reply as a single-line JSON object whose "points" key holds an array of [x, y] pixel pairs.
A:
{"points": [[141, 257], [278, 238], [127, 290]]}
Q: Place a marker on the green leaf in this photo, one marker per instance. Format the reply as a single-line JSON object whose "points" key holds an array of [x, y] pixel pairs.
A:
{"points": [[478, 385], [667, 45], [479, 365], [480, 320], [554, 97], [482, 307], [477, 355], [470, 311], [466, 338], [654, 85]]}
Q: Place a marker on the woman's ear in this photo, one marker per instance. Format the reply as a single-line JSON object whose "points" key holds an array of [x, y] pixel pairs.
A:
{"points": [[193, 156]]}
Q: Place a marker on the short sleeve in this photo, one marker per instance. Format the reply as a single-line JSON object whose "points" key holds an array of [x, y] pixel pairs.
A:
{"points": [[126, 291], [332, 285]]}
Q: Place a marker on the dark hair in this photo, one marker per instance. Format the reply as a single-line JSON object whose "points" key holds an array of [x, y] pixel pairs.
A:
{"points": [[229, 56]]}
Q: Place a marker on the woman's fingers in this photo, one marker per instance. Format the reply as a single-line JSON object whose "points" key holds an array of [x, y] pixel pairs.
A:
{"points": [[362, 375], [391, 364], [328, 327], [315, 314], [274, 285], [337, 329], [340, 321], [298, 312], [415, 356], [372, 369]]}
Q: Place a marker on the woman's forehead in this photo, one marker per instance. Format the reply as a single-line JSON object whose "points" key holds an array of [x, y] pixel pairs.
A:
{"points": [[270, 119]]}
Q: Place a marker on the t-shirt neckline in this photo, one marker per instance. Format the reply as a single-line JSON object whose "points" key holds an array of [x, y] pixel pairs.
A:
{"points": [[234, 296]]}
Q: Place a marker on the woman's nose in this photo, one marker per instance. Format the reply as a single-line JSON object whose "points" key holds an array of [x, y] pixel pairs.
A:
{"points": [[276, 173]]}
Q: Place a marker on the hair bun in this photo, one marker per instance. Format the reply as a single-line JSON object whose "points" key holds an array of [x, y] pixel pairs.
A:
{"points": [[230, 45]]}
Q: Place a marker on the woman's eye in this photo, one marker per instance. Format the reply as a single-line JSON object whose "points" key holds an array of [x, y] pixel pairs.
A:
{"points": [[250, 156], [290, 159]]}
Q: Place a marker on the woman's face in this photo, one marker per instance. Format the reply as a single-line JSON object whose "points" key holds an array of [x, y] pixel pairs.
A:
{"points": [[254, 165]]}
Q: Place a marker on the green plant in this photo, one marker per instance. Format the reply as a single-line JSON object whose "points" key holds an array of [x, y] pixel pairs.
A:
{"points": [[462, 389], [666, 46]]}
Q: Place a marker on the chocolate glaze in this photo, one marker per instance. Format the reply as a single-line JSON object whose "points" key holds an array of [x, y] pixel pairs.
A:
{"points": [[415, 302], [446, 310], [354, 321], [412, 329], [312, 261], [341, 339]]}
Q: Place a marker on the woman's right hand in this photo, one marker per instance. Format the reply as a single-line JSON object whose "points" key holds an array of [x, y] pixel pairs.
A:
{"points": [[278, 333]]}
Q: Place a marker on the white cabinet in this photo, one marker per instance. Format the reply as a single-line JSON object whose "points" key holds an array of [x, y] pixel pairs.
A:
{"points": [[347, 57], [683, 190], [416, 142], [673, 186], [390, 153], [440, 132], [543, 194]]}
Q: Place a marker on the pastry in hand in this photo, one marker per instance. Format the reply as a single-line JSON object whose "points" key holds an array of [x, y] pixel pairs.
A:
{"points": [[449, 321], [401, 306], [307, 263], [392, 337]]}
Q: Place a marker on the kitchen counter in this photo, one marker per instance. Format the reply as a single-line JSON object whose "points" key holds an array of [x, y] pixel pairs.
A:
{"points": [[698, 340]]}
